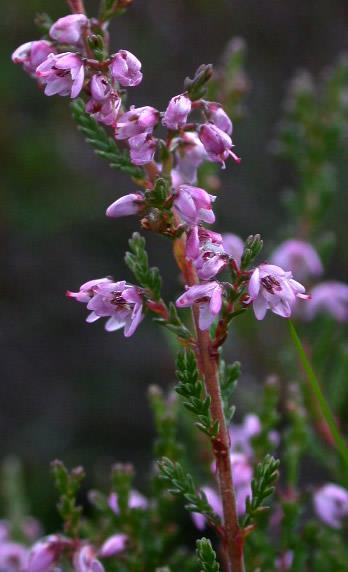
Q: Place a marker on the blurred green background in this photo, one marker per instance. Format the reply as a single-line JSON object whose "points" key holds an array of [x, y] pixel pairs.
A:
{"points": [[69, 390]]}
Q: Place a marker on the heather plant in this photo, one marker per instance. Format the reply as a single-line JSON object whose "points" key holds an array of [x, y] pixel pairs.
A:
{"points": [[254, 509]]}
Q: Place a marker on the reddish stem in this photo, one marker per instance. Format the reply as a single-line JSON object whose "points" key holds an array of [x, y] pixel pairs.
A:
{"points": [[207, 362], [77, 6]]}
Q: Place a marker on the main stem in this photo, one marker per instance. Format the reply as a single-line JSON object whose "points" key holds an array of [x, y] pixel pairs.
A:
{"points": [[207, 361], [77, 6]]}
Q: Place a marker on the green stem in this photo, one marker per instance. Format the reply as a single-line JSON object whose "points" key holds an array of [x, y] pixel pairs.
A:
{"points": [[315, 386]]}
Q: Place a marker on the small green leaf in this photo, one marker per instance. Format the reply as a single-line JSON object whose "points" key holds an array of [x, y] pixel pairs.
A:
{"points": [[206, 556]]}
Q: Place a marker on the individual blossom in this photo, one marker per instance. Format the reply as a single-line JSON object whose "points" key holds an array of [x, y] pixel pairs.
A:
{"points": [[218, 116], [142, 148], [136, 121], [331, 504], [32, 54], [205, 249], [135, 501], [85, 560], [45, 553], [272, 288], [125, 68], [217, 143], [214, 500], [114, 545], [106, 111], [233, 246], [127, 205], [13, 557], [284, 562], [243, 434], [118, 301], [298, 256], [68, 30], [189, 155], [194, 204], [177, 111], [329, 298], [63, 74], [208, 296]]}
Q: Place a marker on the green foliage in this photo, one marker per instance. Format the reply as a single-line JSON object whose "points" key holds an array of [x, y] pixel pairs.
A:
{"points": [[121, 479], [13, 495], [207, 556], [157, 196], [253, 247], [174, 324], [165, 417], [228, 377], [196, 87], [262, 486], [182, 484], [68, 485], [191, 388], [103, 145], [138, 262]]}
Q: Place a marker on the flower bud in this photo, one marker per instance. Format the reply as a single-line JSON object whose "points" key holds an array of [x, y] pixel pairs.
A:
{"points": [[32, 54], [125, 68], [113, 545], [136, 121], [44, 553], [219, 117], [177, 111], [217, 143], [127, 205], [68, 30]]}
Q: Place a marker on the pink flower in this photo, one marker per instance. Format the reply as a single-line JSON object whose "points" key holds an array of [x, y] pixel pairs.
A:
{"points": [[194, 204], [189, 154], [205, 249], [177, 111], [209, 298], [241, 435], [63, 74], [45, 553], [13, 557], [298, 256], [234, 246], [136, 121], [127, 205], [142, 148], [284, 562], [85, 560], [330, 298], [32, 54], [331, 504], [217, 143], [271, 288], [219, 117], [135, 501], [106, 111], [125, 68], [214, 500], [68, 30], [118, 301], [113, 545]]}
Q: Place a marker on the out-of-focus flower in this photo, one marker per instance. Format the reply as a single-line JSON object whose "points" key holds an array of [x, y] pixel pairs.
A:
{"points": [[194, 204], [68, 30], [242, 435], [113, 545], [136, 121], [177, 111], [217, 143], [331, 504], [190, 154], [63, 74], [118, 301], [284, 562], [125, 68], [219, 117], [213, 499], [234, 246], [142, 148], [298, 256], [13, 557], [271, 288], [329, 298], [209, 298], [205, 249], [45, 553], [32, 54], [135, 501], [85, 560], [127, 205]]}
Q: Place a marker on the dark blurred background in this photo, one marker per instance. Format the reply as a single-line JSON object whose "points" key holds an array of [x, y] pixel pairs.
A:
{"points": [[70, 390]]}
